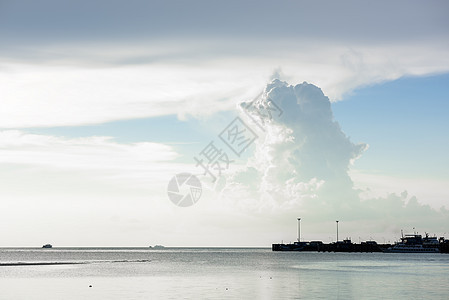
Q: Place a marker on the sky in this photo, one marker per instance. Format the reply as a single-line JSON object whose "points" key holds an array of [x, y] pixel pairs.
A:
{"points": [[102, 103]]}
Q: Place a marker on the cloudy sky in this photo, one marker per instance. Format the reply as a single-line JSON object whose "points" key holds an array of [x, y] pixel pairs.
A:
{"points": [[103, 102]]}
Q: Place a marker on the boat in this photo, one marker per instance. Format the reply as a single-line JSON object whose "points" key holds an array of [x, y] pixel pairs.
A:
{"points": [[47, 246], [157, 247], [415, 243]]}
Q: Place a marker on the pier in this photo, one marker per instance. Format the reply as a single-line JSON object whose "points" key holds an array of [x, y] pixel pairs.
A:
{"points": [[411, 243], [341, 246]]}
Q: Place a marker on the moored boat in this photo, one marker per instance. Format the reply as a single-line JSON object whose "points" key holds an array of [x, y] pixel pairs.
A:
{"points": [[415, 243]]}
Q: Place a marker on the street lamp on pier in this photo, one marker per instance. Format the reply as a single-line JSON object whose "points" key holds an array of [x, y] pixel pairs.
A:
{"points": [[337, 231]]}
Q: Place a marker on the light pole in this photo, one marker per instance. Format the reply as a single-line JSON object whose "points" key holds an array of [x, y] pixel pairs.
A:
{"points": [[299, 229], [337, 231]]}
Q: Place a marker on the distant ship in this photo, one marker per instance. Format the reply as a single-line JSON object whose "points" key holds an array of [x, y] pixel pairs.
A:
{"points": [[47, 246], [415, 243], [157, 247]]}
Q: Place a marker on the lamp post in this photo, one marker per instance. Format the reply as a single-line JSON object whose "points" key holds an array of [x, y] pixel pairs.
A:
{"points": [[337, 231], [299, 229]]}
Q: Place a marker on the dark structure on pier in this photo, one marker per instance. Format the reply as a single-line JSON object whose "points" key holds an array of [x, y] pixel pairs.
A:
{"points": [[444, 246], [344, 246]]}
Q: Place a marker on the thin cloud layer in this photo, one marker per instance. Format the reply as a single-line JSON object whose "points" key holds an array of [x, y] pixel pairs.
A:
{"points": [[94, 161], [89, 87], [68, 64]]}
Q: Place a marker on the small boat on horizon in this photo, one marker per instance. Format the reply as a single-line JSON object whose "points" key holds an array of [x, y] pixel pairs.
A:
{"points": [[47, 246], [157, 247]]}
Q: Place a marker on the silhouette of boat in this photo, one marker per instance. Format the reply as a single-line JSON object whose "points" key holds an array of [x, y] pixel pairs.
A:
{"points": [[415, 243], [157, 247], [47, 246]]}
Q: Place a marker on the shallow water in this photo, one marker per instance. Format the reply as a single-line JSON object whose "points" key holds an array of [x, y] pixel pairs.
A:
{"points": [[217, 273]]}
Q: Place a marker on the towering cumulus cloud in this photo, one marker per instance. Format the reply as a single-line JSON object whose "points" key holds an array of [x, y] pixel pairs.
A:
{"points": [[302, 159]]}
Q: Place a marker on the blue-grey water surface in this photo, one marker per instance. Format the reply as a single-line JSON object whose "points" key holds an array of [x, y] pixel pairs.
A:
{"points": [[219, 273]]}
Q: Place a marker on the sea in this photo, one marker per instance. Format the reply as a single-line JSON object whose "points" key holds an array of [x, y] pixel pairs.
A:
{"points": [[218, 273]]}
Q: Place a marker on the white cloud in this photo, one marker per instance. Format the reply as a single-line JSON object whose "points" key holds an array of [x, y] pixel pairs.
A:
{"points": [[99, 164], [88, 86], [301, 168], [100, 152], [60, 96]]}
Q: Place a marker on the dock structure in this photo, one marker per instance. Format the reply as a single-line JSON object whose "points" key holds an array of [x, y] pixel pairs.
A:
{"points": [[346, 246], [341, 246], [418, 245]]}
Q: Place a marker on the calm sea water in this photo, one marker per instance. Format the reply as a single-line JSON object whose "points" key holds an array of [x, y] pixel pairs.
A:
{"points": [[218, 274]]}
